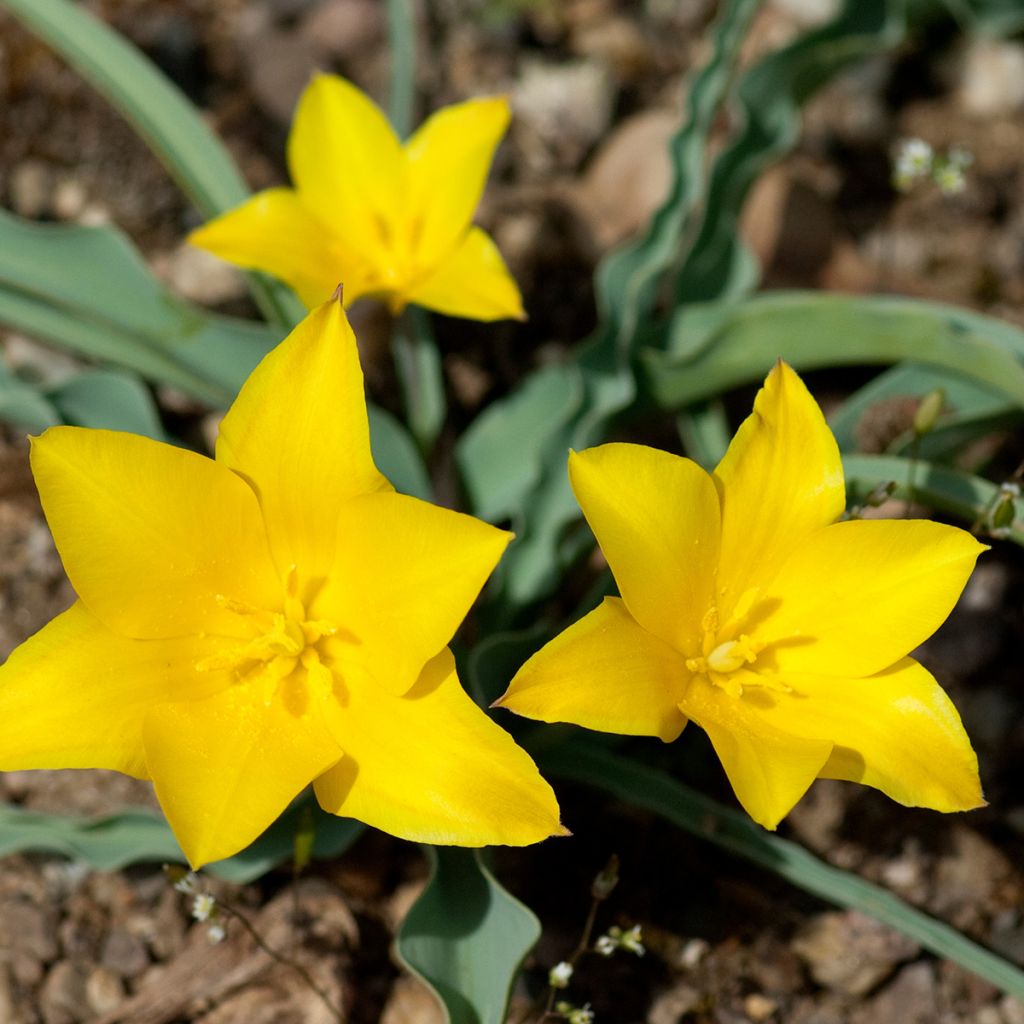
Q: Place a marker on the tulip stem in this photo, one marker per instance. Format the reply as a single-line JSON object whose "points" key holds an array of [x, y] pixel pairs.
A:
{"points": [[402, 47]]}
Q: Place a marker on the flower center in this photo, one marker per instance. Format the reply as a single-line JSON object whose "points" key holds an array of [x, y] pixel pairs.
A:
{"points": [[729, 655], [281, 642]]}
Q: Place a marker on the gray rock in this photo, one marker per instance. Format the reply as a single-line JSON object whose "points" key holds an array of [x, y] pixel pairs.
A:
{"points": [[992, 78], [104, 990], [911, 998], [125, 954], [31, 188], [26, 928], [62, 998]]}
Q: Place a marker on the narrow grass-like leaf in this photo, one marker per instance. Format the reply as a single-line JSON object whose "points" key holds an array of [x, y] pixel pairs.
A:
{"points": [[717, 346], [655, 791], [968, 497], [109, 399], [159, 112], [402, 51], [24, 405], [466, 937]]}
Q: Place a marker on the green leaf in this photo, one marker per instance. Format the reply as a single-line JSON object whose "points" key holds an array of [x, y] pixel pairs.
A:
{"points": [[466, 937], [87, 289], [963, 495], [714, 347], [402, 51], [396, 455], [653, 790], [108, 399], [418, 366], [24, 405], [114, 841], [159, 112]]}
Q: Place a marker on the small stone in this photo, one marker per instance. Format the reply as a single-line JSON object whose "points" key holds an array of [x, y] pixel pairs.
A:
{"points": [[31, 188], [693, 953], [279, 66], [759, 1007], [411, 1002], [911, 998], [992, 83], [199, 276], [1012, 1010], [988, 1015], [62, 998], [69, 199], [850, 952], [674, 1005], [104, 990], [344, 28], [28, 929], [125, 954]]}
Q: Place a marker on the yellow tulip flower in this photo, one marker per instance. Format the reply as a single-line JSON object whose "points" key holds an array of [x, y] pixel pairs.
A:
{"points": [[748, 607], [273, 617], [388, 219]]}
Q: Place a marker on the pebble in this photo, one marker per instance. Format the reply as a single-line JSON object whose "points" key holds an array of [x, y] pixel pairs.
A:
{"points": [[31, 188], [911, 998], [199, 276], [759, 1007], [62, 998], [411, 1002], [104, 990], [851, 953], [992, 79], [345, 28], [29, 929], [674, 1005], [125, 954]]}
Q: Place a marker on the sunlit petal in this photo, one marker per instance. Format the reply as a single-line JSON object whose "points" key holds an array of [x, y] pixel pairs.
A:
{"points": [[224, 768], [346, 162], [405, 574], [655, 516], [472, 282], [298, 433], [769, 767], [430, 766], [780, 480], [274, 232], [606, 673], [74, 695], [858, 596], [447, 163], [153, 537]]}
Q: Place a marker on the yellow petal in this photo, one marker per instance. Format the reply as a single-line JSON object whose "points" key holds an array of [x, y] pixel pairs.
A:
{"points": [[655, 516], [430, 766], [346, 163], [780, 480], [152, 535], [224, 768], [858, 596], [604, 672], [405, 574], [447, 163], [74, 695], [274, 232], [768, 767], [896, 731], [471, 282], [298, 433]]}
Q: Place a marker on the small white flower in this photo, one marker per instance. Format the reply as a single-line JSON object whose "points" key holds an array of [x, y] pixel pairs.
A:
{"points": [[203, 906], [187, 883], [605, 945], [581, 1015], [630, 941], [913, 160], [950, 179], [216, 932], [559, 975]]}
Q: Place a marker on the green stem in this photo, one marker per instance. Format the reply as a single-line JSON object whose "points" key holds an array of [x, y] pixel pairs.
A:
{"points": [[402, 45]]}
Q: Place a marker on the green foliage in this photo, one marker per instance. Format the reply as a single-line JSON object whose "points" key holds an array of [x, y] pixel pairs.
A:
{"points": [[420, 376], [141, 836], [655, 791], [159, 112], [466, 937]]}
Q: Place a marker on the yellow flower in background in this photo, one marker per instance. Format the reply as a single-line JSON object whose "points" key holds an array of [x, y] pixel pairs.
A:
{"points": [[274, 617], [749, 608], [388, 219]]}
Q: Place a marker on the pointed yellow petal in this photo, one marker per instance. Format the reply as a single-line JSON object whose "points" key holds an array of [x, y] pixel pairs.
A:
{"points": [[74, 694], [346, 163], [151, 535], [405, 574], [430, 766], [471, 282], [447, 163], [769, 767], [896, 731], [274, 232], [655, 516], [605, 673], [298, 433], [224, 768], [858, 596], [780, 480]]}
